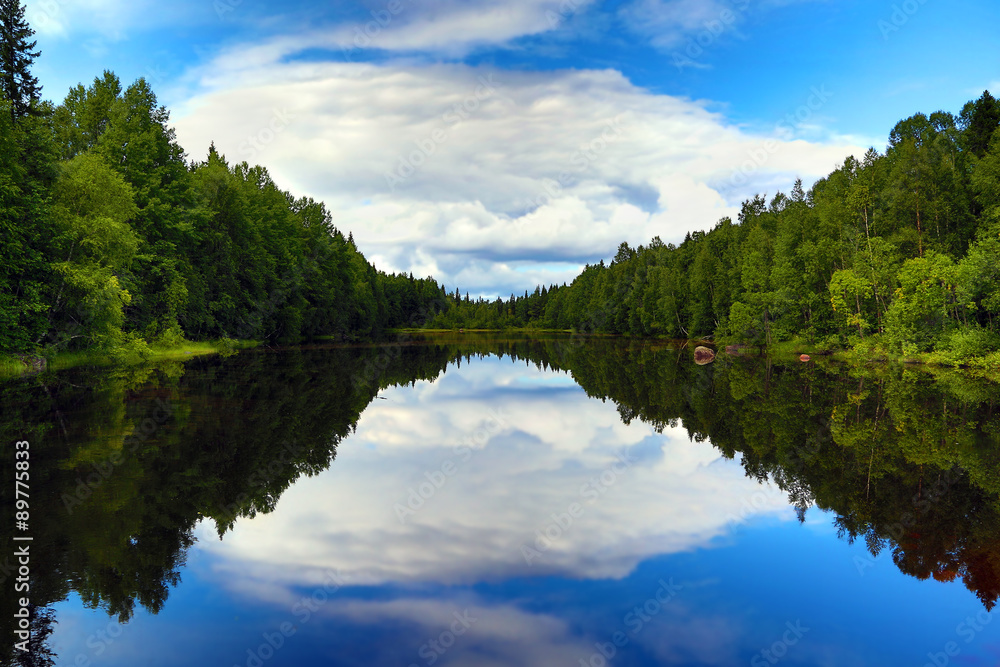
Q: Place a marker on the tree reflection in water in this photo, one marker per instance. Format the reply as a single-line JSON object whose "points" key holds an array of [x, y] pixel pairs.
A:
{"points": [[906, 459]]}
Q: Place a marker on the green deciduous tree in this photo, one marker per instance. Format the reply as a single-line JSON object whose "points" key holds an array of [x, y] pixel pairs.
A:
{"points": [[95, 244], [849, 295], [85, 114], [925, 304]]}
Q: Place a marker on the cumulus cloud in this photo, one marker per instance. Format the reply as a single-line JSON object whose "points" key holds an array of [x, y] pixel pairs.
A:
{"points": [[487, 176]]}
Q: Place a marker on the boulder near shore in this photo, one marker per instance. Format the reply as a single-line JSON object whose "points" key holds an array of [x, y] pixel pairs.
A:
{"points": [[703, 355]]}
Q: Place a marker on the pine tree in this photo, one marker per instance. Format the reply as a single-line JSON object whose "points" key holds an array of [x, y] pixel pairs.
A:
{"points": [[16, 58], [979, 121]]}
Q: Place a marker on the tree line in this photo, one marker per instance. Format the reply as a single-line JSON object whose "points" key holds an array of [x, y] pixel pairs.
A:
{"points": [[113, 240], [898, 250]]}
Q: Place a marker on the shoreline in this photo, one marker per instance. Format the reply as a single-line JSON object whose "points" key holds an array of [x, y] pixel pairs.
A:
{"points": [[21, 364], [984, 366]]}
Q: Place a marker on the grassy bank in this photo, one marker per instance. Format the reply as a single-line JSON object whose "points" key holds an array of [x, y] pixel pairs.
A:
{"points": [[985, 363], [871, 351], [970, 359], [11, 366], [14, 365]]}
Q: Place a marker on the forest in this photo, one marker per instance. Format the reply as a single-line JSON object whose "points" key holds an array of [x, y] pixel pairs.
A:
{"points": [[897, 252], [115, 241]]}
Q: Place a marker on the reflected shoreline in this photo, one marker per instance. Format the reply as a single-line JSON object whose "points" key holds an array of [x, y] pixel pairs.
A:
{"points": [[907, 461]]}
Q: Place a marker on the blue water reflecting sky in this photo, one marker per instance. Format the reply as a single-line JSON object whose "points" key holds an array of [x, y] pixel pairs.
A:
{"points": [[499, 516]]}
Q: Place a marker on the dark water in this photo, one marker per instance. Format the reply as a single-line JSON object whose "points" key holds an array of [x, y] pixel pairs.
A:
{"points": [[504, 501]]}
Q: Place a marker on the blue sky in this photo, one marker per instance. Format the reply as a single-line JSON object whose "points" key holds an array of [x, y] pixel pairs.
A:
{"points": [[578, 124]]}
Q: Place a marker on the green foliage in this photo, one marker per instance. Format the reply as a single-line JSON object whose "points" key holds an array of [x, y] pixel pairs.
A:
{"points": [[113, 239], [925, 304], [979, 121], [985, 180], [171, 337], [979, 278], [114, 242], [20, 87], [892, 253], [848, 291], [24, 271], [227, 346], [94, 244], [746, 323], [969, 342]]}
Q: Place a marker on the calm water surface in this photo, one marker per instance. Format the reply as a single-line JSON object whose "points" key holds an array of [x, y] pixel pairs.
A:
{"points": [[472, 500]]}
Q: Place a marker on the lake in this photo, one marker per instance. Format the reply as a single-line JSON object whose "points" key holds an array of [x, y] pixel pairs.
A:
{"points": [[505, 500]]}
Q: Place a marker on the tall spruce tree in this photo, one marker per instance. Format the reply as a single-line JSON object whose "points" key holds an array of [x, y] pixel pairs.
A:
{"points": [[979, 121], [16, 57]]}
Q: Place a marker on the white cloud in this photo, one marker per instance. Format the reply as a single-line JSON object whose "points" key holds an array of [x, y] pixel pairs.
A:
{"points": [[668, 23], [555, 442], [689, 29], [467, 172], [495, 634], [505, 634], [451, 26]]}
